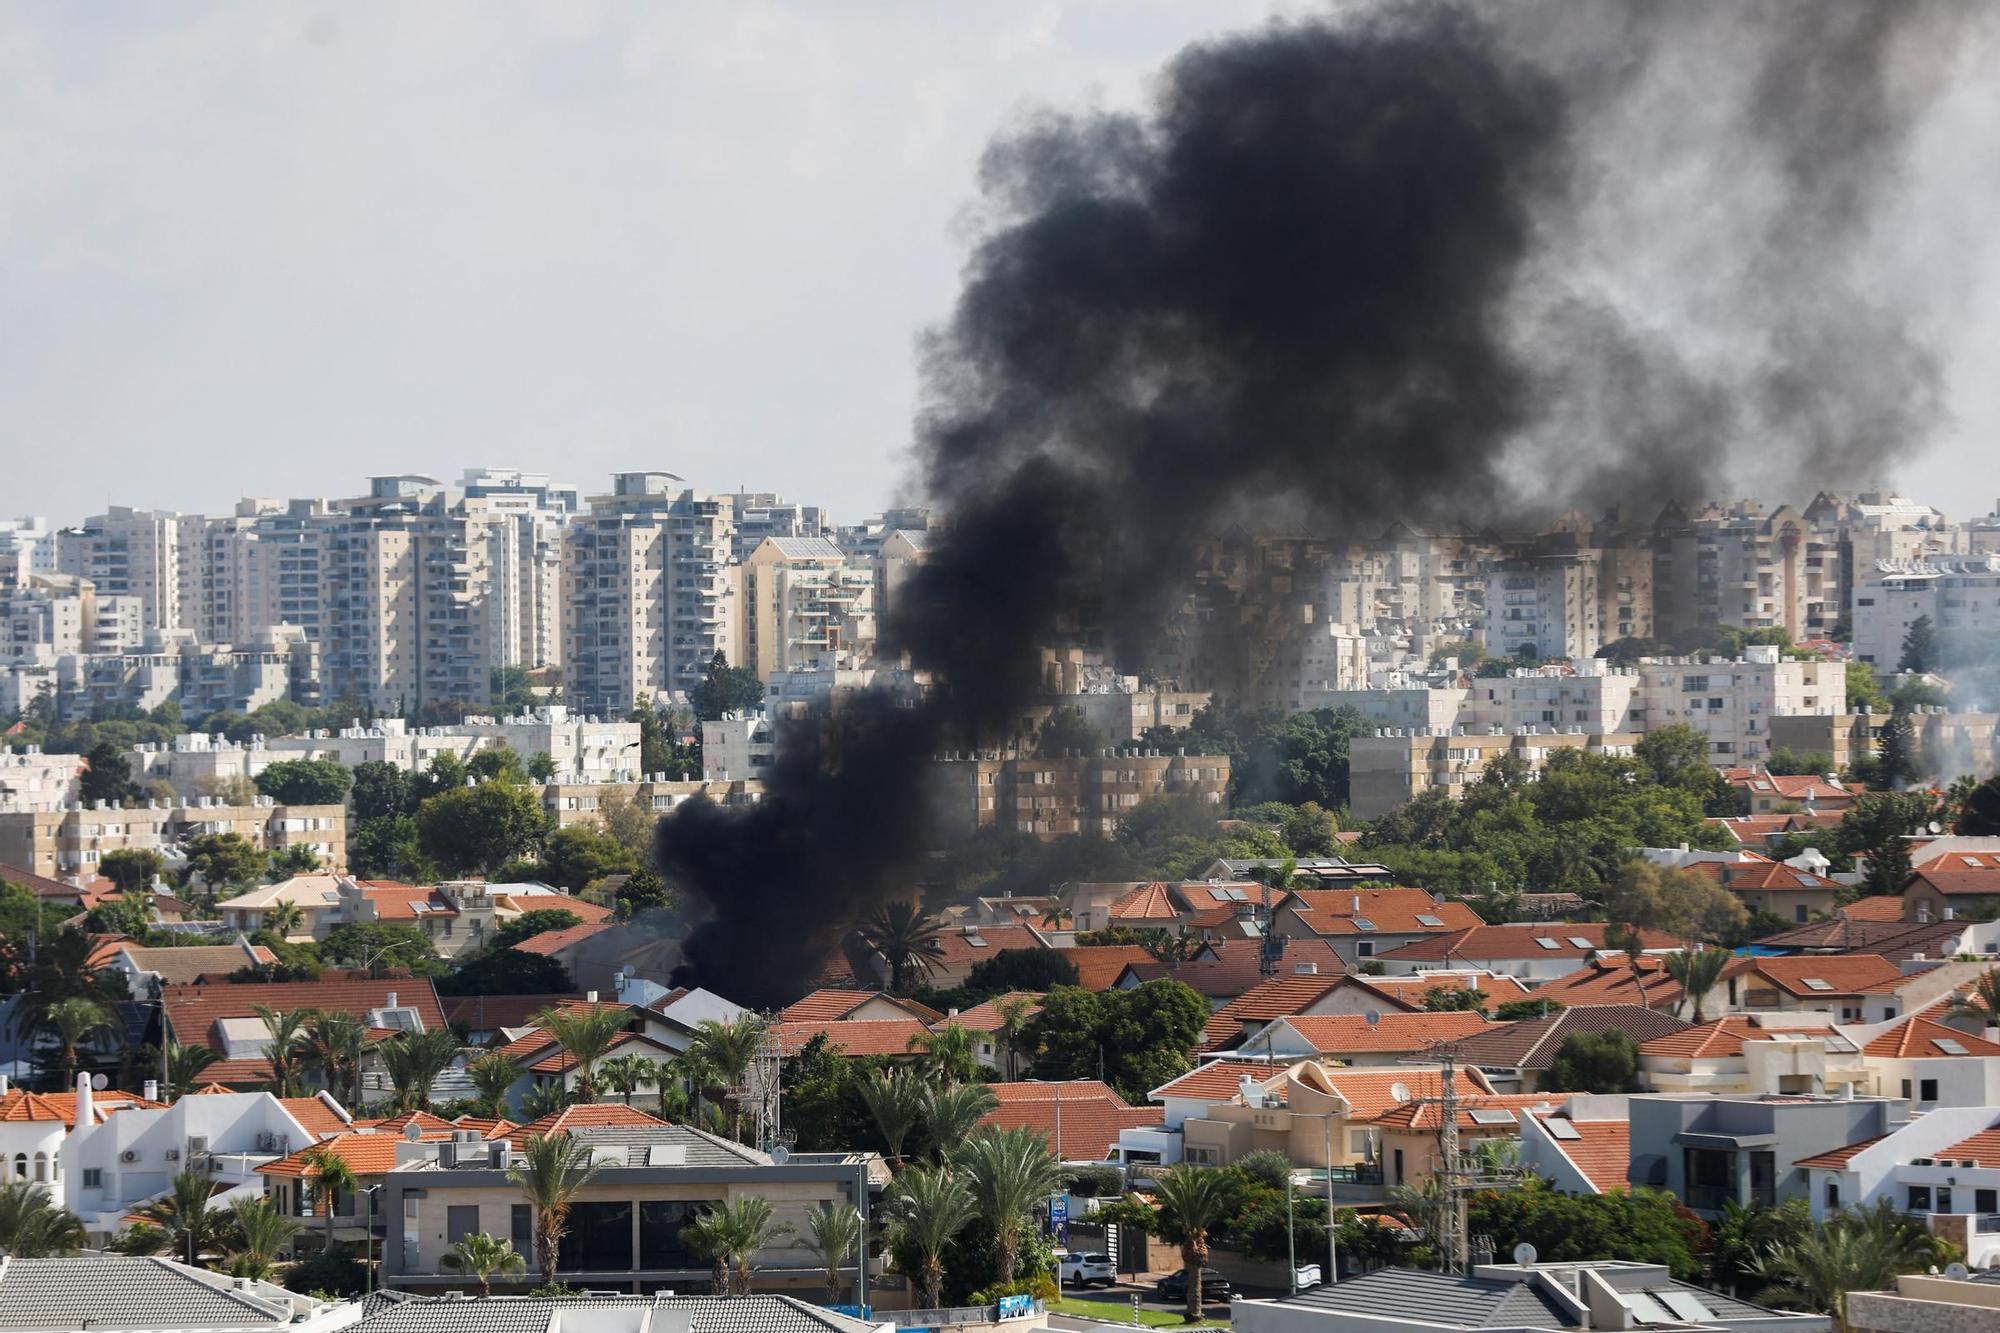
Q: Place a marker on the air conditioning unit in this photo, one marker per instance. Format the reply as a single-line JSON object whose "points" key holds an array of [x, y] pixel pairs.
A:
{"points": [[128, 1156], [197, 1145], [173, 1154]]}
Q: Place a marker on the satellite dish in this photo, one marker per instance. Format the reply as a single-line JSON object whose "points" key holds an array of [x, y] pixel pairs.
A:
{"points": [[1958, 1272], [1934, 827], [1399, 1092], [99, 1082], [1373, 1016], [1524, 1254], [781, 1154]]}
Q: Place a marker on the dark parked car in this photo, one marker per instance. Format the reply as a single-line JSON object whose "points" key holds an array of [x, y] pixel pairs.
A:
{"points": [[1173, 1287]]}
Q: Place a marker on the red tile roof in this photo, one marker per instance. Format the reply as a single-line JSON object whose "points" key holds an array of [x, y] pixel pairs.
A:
{"points": [[1411, 991], [1225, 969], [489, 1012], [1844, 974], [966, 945], [1098, 965], [589, 1116], [825, 1005], [1881, 907], [552, 942], [1982, 1148], [1976, 873], [561, 1062], [399, 902], [1276, 998], [1079, 1088], [1090, 1122], [854, 1037], [1216, 1080], [1601, 1150], [1615, 980], [1917, 1037], [315, 1115], [1479, 943], [1345, 1034], [1426, 1116], [1145, 903], [1717, 1039], [367, 1152], [192, 1011], [1800, 787], [22, 1107], [1391, 911], [1370, 1092], [1840, 1157], [987, 1017], [1763, 874]]}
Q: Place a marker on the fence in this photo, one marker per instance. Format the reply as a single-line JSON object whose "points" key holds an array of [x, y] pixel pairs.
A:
{"points": [[955, 1316]]}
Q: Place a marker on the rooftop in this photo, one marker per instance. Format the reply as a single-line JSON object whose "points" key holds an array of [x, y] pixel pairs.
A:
{"points": [[394, 1312], [121, 1292]]}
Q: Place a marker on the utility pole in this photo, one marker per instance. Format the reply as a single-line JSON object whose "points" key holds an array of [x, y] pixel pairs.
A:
{"points": [[1458, 1173]]}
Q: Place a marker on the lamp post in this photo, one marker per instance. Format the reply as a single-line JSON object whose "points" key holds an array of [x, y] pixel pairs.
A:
{"points": [[368, 1242]]}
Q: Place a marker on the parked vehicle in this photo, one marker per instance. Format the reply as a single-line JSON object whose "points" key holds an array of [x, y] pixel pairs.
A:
{"points": [[1173, 1287], [1086, 1270]]}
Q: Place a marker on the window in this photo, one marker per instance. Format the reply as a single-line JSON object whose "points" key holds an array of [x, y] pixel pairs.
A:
{"points": [[1920, 1199], [93, 1178], [660, 1223], [1832, 1195], [1943, 1204], [1365, 949], [523, 1221], [460, 1220], [1986, 1201], [1927, 1090], [1799, 913], [599, 1239], [1906, 1089], [1399, 1166]]}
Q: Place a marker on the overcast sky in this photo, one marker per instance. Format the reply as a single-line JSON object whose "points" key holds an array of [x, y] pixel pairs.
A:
{"points": [[266, 250]]}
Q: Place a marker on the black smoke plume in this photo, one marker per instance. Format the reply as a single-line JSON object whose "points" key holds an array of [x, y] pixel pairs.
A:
{"points": [[1409, 263]]}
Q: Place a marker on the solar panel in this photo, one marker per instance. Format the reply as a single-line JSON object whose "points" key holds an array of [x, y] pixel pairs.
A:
{"points": [[1949, 1046], [1238, 896], [1546, 942], [1685, 1305], [1426, 919], [1491, 1115], [1561, 1129], [1814, 983], [1840, 1045], [1645, 1309], [1580, 942]]}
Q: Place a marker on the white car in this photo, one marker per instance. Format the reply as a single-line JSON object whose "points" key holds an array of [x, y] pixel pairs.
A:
{"points": [[1081, 1270]]}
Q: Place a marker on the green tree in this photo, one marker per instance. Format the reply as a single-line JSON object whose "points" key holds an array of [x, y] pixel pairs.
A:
{"points": [[626, 1074], [1896, 757], [1020, 970], [480, 829], [551, 1169], [414, 1061], [1602, 1062], [184, 1214], [184, 1066], [1858, 1250], [497, 763], [34, 1226], [1192, 1200], [71, 1022], [643, 891], [1878, 826], [833, 1233], [328, 1176], [388, 847], [726, 689], [578, 856], [1800, 763], [482, 1256], [511, 689], [1920, 653], [381, 790], [132, 869], [1699, 971], [952, 1111], [494, 1076], [729, 1049], [1979, 813], [286, 1049], [445, 772], [586, 1035], [1140, 1038], [379, 946], [928, 1207], [1449, 999], [1741, 1237], [1065, 731], [1008, 1171], [1638, 1225], [948, 1053], [542, 766], [260, 1233], [499, 970], [334, 1049], [907, 941], [1679, 902], [225, 860], [896, 1101], [1864, 688], [306, 782], [107, 777]]}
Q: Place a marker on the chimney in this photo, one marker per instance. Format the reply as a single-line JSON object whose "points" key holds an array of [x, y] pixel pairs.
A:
{"points": [[3, 1085], [590, 996], [1354, 905], [390, 1002], [84, 1110], [152, 1090]]}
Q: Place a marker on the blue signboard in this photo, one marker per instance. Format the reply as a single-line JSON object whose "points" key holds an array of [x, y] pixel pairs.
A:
{"points": [[1014, 1306]]}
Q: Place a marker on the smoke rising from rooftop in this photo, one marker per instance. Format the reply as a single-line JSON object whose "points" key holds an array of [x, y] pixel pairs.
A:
{"points": [[1398, 264]]}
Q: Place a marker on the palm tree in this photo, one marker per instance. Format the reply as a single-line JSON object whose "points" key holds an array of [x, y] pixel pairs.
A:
{"points": [[552, 1168], [286, 1051], [494, 1075], [948, 1056], [328, 1176], [71, 1021], [908, 942], [833, 1232], [263, 1233], [1016, 1012], [1982, 1002], [897, 1103], [952, 1112], [1698, 971], [626, 1074], [585, 1034], [285, 919], [1423, 1203], [184, 1066], [414, 1060], [1192, 1199], [185, 1216], [544, 1099], [744, 1226], [727, 1050], [930, 1206], [708, 1236], [482, 1256], [1008, 1171], [1860, 1250], [33, 1226], [334, 1049]]}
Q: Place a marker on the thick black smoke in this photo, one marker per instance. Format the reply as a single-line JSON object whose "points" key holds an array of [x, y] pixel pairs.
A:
{"points": [[1349, 272]]}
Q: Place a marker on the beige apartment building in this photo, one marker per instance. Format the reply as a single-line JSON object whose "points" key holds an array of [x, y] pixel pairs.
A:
{"points": [[653, 591], [72, 841], [1732, 704], [1057, 798], [1394, 767], [1567, 603], [806, 607]]}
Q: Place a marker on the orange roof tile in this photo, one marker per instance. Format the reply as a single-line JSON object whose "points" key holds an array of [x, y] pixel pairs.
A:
{"points": [[367, 1152], [1880, 907], [1147, 902], [552, 942], [1763, 874], [1098, 965], [399, 902], [22, 1107], [1392, 911], [1918, 1037], [1090, 1124], [1279, 997], [1067, 1089], [1601, 1150], [1479, 943], [192, 1011], [986, 1017], [825, 1005], [1412, 991], [561, 1062], [1975, 873], [1844, 974], [854, 1037], [315, 1115], [1342, 1034], [588, 1116], [1216, 1080], [1789, 786], [1717, 1039], [1370, 1092], [1421, 1115], [1615, 980]]}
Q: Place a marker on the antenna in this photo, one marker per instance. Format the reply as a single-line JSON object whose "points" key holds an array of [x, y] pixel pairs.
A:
{"points": [[1399, 1092], [1460, 1173]]}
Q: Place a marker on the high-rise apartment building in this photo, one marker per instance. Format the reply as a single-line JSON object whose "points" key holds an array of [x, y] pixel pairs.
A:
{"points": [[141, 553], [653, 591], [806, 607]]}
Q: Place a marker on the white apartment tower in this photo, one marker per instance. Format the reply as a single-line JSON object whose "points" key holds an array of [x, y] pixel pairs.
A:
{"points": [[139, 553], [806, 607], [652, 591]]}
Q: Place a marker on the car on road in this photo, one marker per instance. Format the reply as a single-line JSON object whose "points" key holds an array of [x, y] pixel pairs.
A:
{"points": [[1173, 1287], [1084, 1270]]}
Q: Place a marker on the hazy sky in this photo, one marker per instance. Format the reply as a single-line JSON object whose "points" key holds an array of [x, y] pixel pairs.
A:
{"points": [[267, 250]]}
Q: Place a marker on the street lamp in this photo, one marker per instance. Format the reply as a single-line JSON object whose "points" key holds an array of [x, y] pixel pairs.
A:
{"points": [[368, 959], [368, 1242], [1325, 1119]]}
